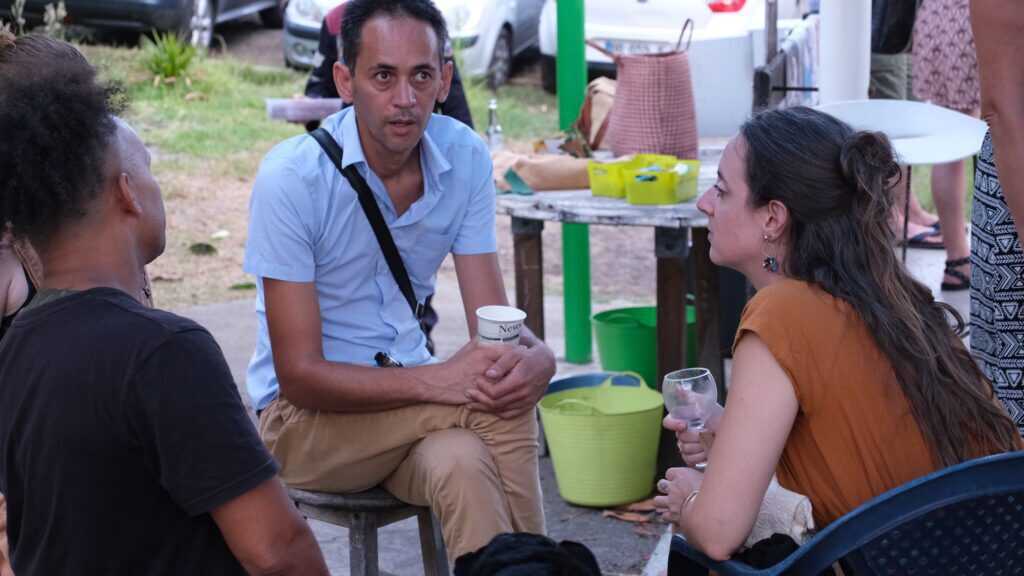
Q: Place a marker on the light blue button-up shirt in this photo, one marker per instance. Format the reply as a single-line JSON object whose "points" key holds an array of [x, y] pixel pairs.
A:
{"points": [[306, 225]]}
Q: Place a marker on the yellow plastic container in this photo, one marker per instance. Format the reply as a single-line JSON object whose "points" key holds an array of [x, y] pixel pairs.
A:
{"points": [[606, 178], [609, 178], [602, 429], [662, 182]]}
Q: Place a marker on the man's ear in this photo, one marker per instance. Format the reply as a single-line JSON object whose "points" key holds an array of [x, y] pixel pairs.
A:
{"points": [[125, 194], [343, 81], [447, 73]]}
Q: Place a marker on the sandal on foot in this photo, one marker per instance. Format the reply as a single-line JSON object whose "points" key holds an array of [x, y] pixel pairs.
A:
{"points": [[921, 241], [951, 270]]}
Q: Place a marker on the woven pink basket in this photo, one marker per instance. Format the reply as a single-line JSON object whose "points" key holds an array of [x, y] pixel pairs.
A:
{"points": [[653, 110]]}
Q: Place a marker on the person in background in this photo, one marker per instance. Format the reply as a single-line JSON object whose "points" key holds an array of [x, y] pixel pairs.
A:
{"points": [[892, 25], [837, 335], [945, 73], [998, 216], [114, 416]]}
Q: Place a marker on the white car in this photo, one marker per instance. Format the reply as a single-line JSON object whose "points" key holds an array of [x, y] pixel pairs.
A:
{"points": [[488, 34], [725, 49]]}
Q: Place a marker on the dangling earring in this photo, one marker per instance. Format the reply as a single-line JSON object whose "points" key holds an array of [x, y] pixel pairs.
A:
{"points": [[770, 263]]}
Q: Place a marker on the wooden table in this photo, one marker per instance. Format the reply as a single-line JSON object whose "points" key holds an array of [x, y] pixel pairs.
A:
{"points": [[680, 233]]}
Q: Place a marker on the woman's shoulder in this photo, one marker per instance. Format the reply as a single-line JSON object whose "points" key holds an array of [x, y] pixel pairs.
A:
{"points": [[789, 309], [790, 296]]}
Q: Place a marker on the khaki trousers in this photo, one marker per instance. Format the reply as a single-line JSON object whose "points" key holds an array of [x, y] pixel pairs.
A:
{"points": [[476, 472]]}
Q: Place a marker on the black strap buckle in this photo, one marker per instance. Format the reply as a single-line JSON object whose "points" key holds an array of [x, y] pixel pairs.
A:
{"points": [[384, 360]]}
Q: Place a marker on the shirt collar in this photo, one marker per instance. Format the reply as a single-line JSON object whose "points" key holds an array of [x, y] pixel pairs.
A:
{"points": [[434, 163]]}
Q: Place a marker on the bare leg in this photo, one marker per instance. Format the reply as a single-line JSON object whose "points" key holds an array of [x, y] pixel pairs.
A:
{"points": [[949, 188], [919, 215], [920, 220]]}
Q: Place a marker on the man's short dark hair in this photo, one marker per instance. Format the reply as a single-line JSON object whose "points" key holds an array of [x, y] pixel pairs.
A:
{"points": [[358, 12]]}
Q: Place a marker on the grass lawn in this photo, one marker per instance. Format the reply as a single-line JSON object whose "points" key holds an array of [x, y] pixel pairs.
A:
{"points": [[526, 113], [208, 136], [219, 113]]}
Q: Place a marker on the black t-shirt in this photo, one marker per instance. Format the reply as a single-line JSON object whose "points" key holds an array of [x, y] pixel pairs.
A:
{"points": [[120, 430]]}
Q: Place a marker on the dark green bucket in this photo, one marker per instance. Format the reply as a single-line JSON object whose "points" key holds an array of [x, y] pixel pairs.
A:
{"points": [[627, 340]]}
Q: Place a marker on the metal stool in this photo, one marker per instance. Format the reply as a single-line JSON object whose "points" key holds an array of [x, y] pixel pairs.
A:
{"points": [[363, 513]]}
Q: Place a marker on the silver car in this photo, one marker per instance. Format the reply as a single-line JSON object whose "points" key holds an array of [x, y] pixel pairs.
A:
{"points": [[488, 34], [193, 19]]}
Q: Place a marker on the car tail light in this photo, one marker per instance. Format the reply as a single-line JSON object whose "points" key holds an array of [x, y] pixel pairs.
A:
{"points": [[726, 5]]}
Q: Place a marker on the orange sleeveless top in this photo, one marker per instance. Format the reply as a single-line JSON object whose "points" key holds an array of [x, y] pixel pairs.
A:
{"points": [[854, 436]]}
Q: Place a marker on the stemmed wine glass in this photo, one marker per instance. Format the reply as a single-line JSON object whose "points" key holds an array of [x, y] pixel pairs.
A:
{"points": [[690, 396]]}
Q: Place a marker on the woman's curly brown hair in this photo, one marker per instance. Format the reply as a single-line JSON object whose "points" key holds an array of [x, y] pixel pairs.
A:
{"points": [[56, 123]]}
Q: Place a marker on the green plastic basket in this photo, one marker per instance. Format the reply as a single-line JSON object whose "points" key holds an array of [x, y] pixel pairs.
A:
{"points": [[627, 340], [602, 430]]}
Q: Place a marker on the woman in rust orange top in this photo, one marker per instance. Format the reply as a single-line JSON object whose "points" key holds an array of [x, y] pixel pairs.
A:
{"points": [[848, 378]]}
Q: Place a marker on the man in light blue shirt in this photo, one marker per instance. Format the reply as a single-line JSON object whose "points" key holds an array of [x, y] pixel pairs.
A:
{"points": [[459, 435]]}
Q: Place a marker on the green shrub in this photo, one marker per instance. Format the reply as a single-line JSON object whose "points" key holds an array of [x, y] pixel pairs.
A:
{"points": [[167, 56]]}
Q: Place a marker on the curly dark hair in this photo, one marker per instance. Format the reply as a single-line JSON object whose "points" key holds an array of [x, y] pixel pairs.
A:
{"points": [[57, 122]]}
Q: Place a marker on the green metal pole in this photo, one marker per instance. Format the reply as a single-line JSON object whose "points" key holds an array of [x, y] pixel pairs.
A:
{"points": [[572, 87]]}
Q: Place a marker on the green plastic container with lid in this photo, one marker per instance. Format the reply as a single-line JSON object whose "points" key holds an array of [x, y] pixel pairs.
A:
{"points": [[627, 340], [602, 430]]}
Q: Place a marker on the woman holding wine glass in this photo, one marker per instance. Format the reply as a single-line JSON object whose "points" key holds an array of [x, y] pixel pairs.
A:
{"points": [[848, 378]]}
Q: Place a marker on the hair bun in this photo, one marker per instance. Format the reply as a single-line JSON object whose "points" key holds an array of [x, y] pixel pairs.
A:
{"points": [[872, 149], [866, 156]]}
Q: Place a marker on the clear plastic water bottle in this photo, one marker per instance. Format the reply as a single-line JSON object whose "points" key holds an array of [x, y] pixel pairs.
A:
{"points": [[495, 138]]}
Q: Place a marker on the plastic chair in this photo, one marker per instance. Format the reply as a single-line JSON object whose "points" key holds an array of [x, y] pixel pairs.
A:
{"points": [[966, 519]]}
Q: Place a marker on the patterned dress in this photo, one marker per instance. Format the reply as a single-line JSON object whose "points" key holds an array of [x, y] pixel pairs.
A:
{"points": [[997, 288], [945, 61]]}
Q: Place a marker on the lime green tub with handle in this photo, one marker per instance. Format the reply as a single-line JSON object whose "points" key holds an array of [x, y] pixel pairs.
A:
{"points": [[602, 430], [627, 340]]}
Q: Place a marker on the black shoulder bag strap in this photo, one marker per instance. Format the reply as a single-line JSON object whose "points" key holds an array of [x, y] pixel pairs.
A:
{"points": [[372, 211]]}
